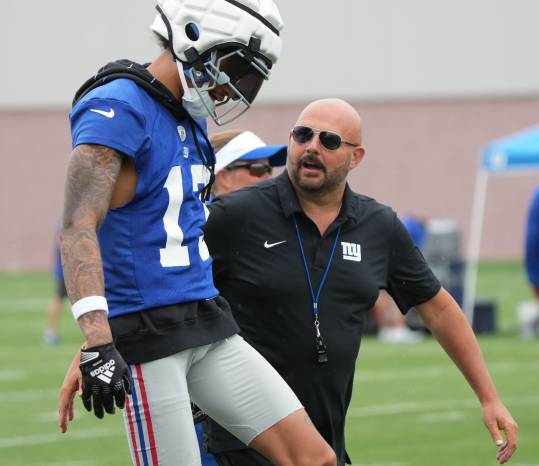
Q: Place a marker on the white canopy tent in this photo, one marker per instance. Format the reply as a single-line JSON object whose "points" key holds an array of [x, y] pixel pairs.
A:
{"points": [[507, 156]]}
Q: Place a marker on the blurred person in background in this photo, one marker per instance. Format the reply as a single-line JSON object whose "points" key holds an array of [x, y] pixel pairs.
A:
{"points": [[51, 335], [528, 312], [391, 322], [532, 244], [241, 159], [158, 335]]}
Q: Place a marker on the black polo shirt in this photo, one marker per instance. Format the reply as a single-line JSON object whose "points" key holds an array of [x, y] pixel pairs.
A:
{"points": [[259, 269]]}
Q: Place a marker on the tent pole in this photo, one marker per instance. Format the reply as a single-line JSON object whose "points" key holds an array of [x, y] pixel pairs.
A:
{"points": [[474, 243]]}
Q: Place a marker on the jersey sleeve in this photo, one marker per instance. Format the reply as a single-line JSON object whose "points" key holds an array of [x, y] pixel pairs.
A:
{"points": [[410, 279], [532, 241], [110, 123]]}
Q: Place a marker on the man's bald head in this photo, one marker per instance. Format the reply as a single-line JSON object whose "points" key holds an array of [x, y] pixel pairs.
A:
{"points": [[338, 116], [314, 168]]}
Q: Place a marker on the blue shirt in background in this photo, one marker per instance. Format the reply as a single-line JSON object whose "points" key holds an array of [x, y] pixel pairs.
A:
{"points": [[532, 241]]}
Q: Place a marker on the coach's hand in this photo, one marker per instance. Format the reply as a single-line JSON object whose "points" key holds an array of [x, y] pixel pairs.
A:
{"points": [[105, 379], [72, 384], [497, 419]]}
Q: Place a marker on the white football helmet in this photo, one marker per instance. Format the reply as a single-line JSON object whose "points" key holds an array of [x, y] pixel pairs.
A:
{"points": [[220, 42]]}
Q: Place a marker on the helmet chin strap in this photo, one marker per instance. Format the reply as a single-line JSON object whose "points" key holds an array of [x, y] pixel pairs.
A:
{"points": [[188, 93], [198, 102]]}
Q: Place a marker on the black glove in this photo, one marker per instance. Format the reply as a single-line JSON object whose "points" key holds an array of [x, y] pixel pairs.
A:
{"points": [[105, 378], [198, 414]]}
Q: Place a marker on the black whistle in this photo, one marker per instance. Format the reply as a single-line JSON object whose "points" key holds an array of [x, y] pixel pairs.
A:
{"points": [[321, 351]]}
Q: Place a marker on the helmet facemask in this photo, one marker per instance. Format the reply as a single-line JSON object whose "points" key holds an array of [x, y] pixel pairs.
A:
{"points": [[238, 70]]}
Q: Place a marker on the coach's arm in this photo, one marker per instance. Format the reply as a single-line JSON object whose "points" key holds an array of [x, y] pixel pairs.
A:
{"points": [[444, 318]]}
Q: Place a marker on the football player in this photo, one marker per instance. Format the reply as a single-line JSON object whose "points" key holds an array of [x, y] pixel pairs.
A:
{"points": [[137, 270]]}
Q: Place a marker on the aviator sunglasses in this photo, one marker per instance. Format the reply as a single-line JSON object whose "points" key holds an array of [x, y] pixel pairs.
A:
{"points": [[329, 139], [257, 169]]}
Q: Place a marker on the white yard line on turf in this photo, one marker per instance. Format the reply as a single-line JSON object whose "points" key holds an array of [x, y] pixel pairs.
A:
{"points": [[431, 372], [430, 406], [23, 304], [12, 374], [30, 440], [47, 417], [379, 464], [72, 463], [444, 416], [14, 396]]}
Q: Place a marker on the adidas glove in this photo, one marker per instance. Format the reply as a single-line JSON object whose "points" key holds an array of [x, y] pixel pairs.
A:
{"points": [[105, 379]]}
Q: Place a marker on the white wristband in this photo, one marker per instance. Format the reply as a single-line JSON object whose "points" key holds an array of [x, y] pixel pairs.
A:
{"points": [[89, 304]]}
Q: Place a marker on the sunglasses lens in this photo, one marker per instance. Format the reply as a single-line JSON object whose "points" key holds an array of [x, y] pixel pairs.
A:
{"points": [[302, 134], [259, 169], [329, 140]]}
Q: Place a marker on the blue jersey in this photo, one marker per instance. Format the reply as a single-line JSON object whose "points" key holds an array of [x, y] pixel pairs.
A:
{"points": [[152, 248], [532, 241], [58, 272]]}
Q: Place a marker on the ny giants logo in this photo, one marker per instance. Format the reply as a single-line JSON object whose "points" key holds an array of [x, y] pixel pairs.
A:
{"points": [[351, 251]]}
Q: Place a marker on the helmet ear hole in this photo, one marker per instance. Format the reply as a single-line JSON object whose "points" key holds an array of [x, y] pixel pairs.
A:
{"points": [[192, 32]]}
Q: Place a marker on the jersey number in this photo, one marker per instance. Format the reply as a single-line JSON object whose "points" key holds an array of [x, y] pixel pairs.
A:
{"points": [[175, 254]]}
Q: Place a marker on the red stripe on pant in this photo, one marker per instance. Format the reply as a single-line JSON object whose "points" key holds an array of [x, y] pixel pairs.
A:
{"points": [[132, 428], [148, 418]]}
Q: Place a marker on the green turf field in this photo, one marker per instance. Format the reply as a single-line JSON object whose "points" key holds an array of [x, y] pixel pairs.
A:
{"points": [[410, 406]]}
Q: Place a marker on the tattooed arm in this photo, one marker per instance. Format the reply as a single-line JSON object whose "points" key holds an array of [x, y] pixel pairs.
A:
{"points": [[91, 177]]}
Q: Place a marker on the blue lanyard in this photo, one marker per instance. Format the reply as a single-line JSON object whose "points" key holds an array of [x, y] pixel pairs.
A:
{"points": [[316, 297]]}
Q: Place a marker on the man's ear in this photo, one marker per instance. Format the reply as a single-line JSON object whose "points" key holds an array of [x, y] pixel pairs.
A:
{"points": [[222, 181], [357, 157], [289, 138]]}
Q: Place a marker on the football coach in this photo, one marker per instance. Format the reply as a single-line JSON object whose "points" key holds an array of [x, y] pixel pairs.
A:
{"points": [[301, 259]]}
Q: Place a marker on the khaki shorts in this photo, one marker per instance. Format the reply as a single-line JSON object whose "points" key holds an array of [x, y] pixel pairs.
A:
{"points": [[229, 380]]}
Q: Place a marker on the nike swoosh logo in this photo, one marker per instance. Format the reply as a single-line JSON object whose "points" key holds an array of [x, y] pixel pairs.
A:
{"points": [[109, 114], [270, 245]]}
